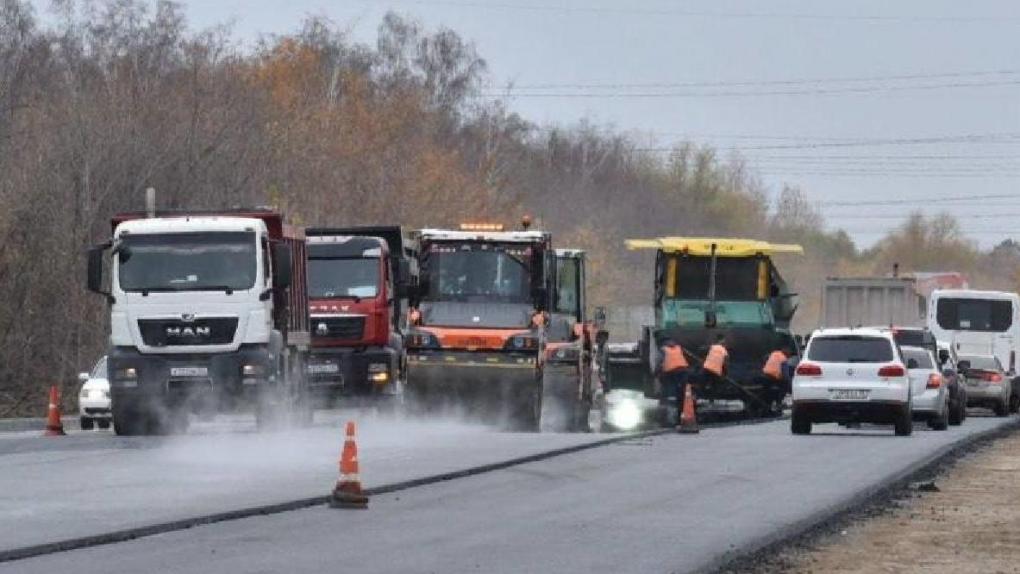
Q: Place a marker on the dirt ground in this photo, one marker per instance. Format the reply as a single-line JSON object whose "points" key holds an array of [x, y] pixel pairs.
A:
{"points": [[971, 525]]}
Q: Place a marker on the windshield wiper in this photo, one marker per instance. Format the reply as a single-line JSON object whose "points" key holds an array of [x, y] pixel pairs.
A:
{"points": [[146, 290]]}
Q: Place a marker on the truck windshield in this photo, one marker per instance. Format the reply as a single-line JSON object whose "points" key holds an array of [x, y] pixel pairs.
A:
{"points": [[692, 313], [987, 315], [188, 261], [337, 277], [478, 272]]}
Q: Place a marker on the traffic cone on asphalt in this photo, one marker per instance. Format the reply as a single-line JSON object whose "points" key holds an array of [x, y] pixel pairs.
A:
{"points": [[348, 493], [54, 427], [688, 417]]}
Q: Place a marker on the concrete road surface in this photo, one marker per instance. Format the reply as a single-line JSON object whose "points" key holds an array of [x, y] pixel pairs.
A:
{"points": [[665, 504]]}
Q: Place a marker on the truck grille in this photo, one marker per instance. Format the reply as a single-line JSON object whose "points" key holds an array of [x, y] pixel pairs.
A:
{"points": [[349, 328], [175, 332]]}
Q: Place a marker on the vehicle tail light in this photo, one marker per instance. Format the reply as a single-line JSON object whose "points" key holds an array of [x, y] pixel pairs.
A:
{"points": [[934, 381], [809, 370], [892, 371], [991, 377]]}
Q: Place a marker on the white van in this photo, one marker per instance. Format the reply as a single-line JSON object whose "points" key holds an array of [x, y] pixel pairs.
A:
{"points": [[978, 323]]}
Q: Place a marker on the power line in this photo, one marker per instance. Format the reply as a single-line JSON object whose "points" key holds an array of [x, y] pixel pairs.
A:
{"points": [[927, 200], [864, 18], [741, 94], [749, 83], [994, 138]]}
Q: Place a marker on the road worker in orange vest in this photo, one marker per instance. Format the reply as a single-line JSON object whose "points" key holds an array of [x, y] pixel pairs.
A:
{"points": [[775, 376], [716, 361], [674, 372]]}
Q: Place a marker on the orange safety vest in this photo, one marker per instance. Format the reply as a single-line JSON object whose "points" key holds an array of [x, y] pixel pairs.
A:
{"points": [[673, 359], [774, 365], [716, 359]]}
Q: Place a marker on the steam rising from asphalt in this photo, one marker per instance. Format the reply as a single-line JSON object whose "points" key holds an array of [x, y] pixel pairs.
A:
{"points": [[230, 442]]}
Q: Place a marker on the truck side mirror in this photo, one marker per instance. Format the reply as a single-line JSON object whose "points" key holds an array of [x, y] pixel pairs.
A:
{"points": [[282, 273], [943, 356], [402, 282], [540, 295], [95, 270], [963, 366]]}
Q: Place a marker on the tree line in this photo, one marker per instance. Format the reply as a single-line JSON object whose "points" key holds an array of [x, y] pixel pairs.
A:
{"points": [[112, 97]]}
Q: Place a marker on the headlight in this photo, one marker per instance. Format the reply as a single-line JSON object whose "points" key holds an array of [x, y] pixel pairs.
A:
{"points": [[251, 370], [378, 368], [128, 373], [379, 377], [421, 340], [625, 415], [522, 342]]}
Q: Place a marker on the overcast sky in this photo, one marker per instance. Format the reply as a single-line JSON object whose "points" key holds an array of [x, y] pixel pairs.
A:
{"points": [[829, 96]]}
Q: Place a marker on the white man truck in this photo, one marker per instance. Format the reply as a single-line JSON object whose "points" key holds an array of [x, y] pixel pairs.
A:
{"points": [[208, 311]]}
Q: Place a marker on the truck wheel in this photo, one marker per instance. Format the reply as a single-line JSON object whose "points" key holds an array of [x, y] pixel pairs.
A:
{"points": [[1014, 403], [103, 423], [127, 422], [87, 423], [799, 424], [904, 424]]}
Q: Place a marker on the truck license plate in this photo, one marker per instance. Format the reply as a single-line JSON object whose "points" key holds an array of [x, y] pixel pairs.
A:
{"points": [[848, 394], [323, 368], [189, 371]]}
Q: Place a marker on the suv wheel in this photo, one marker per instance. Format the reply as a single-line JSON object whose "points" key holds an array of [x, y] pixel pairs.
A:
{"points": [[1001, 409], [940, 421], [957, 410], [799, 424], [87, 423], [904, 423]]}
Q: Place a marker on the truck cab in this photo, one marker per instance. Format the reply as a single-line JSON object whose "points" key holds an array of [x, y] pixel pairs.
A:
{"points": [[575, 348], [201, 314], [357, 289]]}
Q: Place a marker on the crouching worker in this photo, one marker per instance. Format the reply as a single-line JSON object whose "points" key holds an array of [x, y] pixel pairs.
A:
{"points": [[674, 372], [775, 377], [713, 370]]}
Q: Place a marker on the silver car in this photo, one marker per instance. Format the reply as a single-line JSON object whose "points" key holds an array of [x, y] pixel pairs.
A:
{"points": [[931, 393], [987, 383]]}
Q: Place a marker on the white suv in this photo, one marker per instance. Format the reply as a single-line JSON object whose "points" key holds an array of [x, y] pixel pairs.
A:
{"points": [[852, 376]]}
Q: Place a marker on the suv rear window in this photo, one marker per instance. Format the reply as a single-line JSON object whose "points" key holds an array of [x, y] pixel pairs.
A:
{"points": [[850, 349], [923, 358]]}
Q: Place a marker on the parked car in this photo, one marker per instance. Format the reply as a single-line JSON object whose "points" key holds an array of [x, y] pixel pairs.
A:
{"points": [[986, 382], [94, 398], [931, 398], [953, 381], [852, 376]]}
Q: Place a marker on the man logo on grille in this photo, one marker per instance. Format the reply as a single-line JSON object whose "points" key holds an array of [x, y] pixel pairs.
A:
{"points": [[188, 332], [322, 329]]}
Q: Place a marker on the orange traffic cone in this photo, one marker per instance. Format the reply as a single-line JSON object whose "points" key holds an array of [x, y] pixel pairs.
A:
{"points": [[348, 493], [688, 417], [54, 427]]}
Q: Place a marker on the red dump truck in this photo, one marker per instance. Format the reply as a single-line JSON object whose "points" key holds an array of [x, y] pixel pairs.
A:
{"points": [[359, 279]]}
